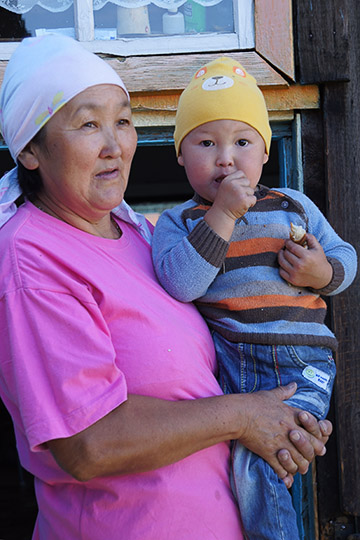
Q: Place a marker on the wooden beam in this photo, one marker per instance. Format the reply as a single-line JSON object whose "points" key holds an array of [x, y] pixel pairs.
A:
{"points": [[342, 172], [274, 38], [328, 52], [159, 109], [173, 72], [323, 39], [155, 84]]}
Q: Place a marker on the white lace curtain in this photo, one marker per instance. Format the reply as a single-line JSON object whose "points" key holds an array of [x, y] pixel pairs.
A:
{"points": [[22, 6]]}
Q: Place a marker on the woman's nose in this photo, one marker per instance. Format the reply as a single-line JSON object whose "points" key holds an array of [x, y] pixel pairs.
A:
{"points": [[111, 145]]}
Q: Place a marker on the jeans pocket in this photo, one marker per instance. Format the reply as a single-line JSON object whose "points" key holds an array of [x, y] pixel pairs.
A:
{"points": [[315, 374]]}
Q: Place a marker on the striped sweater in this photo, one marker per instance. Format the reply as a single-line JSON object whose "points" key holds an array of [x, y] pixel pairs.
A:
{"points": [[236, 285]]}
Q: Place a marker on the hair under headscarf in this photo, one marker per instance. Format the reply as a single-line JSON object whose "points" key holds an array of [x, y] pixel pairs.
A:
{"points": [[43, 74]]}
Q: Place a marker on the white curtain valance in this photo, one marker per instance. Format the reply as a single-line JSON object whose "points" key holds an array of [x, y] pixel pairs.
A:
{"points": [[23, 6]]}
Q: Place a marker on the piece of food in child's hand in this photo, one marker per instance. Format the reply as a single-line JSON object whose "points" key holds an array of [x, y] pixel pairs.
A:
{"points": [[298, 234]]}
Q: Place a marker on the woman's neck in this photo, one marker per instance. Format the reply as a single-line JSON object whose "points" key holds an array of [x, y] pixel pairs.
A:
{"points": [[106, 227]]}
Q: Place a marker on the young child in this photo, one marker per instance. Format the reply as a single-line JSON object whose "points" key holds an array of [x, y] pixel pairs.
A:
{"points": [[228, 249]]}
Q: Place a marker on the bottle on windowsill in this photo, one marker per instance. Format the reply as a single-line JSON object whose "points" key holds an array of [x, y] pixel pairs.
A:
{"points": [[173, 22], [132, 21], [195, 17]]}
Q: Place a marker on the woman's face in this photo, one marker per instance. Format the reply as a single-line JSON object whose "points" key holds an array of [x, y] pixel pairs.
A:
{"points": [[89, 145]]}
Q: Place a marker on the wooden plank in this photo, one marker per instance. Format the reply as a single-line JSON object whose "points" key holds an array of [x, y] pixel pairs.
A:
{"points": [[312, 140], [160, 109], [160, 118], [163, 73], [342, 118], [342, 132], [274, 34], [293, 97], [313, 158], [323, 39], [327, 51], [155, 88]]}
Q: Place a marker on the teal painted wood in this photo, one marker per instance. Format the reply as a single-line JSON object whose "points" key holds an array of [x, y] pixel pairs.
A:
{"points": [[155, 136], [303, 501], [291, 175], [296, 495]]}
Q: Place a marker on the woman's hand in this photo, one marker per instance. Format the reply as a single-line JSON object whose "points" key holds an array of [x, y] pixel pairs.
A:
{"points": [[286, 437], [321, 430]]}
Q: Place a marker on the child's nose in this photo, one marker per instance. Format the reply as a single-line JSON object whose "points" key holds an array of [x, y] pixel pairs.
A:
{"points": [[225, 158]]}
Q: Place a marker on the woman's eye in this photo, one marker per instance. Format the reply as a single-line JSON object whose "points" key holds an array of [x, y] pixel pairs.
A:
{"points": [[89, 124], [207, 143], [123, 122]]}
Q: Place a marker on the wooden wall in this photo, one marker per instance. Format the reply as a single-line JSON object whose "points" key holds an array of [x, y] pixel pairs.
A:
{"points": [[328, 52]]}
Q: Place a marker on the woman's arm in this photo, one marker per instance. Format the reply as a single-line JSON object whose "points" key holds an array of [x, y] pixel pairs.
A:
{"points": [[146, 433]]}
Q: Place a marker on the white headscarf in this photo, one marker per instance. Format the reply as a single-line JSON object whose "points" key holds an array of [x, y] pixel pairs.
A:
{"points": [[43, 74]]}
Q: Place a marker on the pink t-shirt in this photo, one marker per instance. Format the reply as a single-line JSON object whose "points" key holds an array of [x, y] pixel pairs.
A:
{"points": [[83, 321]]}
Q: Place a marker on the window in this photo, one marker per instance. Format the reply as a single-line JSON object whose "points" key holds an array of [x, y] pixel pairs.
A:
{"points": [[129, 27]]}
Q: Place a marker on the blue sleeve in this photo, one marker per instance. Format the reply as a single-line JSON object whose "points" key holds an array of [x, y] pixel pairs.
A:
{"points": [[186, 261]]}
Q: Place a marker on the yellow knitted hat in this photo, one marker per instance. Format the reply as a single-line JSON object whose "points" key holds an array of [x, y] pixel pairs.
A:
{"points": [[221, 90]]}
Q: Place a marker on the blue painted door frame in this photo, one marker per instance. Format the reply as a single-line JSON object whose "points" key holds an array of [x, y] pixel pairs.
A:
{"points": [[291, 175]]}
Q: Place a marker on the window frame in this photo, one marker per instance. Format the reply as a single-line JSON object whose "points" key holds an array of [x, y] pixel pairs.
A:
{"points": [[242, 38], [271, 28]]}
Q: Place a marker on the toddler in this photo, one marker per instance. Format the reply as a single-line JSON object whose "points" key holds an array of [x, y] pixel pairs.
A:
{"points": [[228, 249]]}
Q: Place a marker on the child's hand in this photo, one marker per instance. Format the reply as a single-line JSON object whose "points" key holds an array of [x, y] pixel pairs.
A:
{"points": [[235, 195], [305, 267], [233, 199]]}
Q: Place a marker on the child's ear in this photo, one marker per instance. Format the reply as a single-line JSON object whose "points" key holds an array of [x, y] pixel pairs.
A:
{"points": [[180, 160], [266, 158], [28, 158]]}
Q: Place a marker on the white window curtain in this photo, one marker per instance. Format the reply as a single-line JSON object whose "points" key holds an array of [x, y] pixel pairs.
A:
{"points": [[23, 6]]}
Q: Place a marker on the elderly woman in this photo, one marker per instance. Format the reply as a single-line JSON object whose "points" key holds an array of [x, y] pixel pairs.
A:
{"points": [[110, 381]]}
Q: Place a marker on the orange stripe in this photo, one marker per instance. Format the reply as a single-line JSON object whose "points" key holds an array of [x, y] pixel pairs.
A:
{"points": [[272, 195], [255, 246], [201, 207], [265, 301]]}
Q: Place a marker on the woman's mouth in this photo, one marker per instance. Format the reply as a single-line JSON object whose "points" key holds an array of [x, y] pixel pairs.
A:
{"points": [[108, 174]]}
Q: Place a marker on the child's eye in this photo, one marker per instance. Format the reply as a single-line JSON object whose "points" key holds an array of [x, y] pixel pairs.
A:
{"points": [[242, 142], [207, 143]]}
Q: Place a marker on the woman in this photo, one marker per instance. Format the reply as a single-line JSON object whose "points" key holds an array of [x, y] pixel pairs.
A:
{"points": [[109, 381]]}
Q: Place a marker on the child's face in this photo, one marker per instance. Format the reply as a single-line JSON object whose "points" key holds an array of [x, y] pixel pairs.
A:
{"points": [[216, 149]]}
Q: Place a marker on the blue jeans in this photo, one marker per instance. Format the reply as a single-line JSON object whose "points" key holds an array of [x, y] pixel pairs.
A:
{"points": [[264, 501]]}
